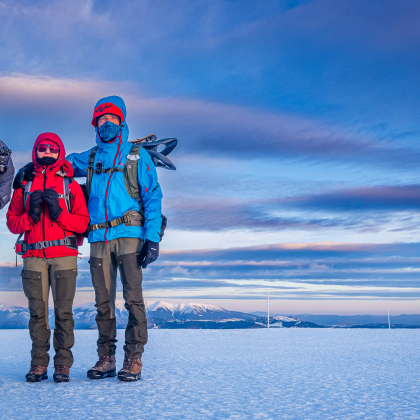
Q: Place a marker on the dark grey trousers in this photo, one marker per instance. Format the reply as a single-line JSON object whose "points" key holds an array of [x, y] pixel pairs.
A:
{"points": [[104, 260], [38, 275]]}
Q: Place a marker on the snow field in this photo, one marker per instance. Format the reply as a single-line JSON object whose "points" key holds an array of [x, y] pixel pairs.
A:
{"points": [[228, 374]]}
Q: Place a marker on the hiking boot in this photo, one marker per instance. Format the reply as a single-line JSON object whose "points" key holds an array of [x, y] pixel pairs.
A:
{"points": [[104, 367], [36, 374], [61, 374], [131, 370]]}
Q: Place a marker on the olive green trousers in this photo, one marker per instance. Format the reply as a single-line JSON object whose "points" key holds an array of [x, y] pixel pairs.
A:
{"points": [[105, 259], [38, 275]]}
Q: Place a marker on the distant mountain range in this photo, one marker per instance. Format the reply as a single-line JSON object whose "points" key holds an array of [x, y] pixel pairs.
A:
{"points": [[202, 316], [360, 319]]}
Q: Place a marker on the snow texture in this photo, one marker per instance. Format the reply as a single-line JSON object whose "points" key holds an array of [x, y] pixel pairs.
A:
{"points": [[218, 374]]}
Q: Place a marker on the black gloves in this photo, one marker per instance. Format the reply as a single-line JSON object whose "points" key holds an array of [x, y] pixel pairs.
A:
{"points": [[50, 196], [35, 205], [24, 174], [150, 250], [149, 253]]}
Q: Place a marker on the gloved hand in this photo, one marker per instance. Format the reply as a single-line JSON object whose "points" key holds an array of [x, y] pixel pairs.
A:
{"points": [[50, 196], [35, 206], [149, 253], [24, 174]]}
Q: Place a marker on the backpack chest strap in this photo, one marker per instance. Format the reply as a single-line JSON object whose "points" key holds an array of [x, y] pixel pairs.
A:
{"points": [[99, 171], [66, 192]]}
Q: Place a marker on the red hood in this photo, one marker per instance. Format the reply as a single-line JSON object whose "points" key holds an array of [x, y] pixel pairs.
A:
{"points": [[61, 161]]}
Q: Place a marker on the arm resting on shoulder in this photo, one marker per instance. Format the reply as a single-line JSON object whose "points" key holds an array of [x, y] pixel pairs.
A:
{"points": [[80, 162]]}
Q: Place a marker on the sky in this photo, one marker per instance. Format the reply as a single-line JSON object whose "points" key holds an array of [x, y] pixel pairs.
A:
{"points": [[297, 164]]}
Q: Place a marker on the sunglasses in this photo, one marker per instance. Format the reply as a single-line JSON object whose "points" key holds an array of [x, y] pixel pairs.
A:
{"points": [[53, 148]]}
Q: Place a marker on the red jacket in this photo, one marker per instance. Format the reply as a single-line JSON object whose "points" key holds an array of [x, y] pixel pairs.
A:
{"points": [[67, 224]]}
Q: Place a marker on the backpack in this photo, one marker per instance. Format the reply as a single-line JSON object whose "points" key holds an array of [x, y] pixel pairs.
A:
{"points": [[130, 171]]}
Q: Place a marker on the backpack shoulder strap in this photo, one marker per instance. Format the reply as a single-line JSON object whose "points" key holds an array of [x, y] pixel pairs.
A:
{"points": [[131, 173], [89, 169], [135, 151], [26, 192], [66, 191], [92, 156]]}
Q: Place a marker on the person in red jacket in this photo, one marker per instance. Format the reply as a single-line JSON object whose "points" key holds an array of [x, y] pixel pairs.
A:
{"points": [[50, 210]]}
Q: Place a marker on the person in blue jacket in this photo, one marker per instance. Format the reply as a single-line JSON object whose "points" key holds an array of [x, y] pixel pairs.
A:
{"points": [[124, 232]]}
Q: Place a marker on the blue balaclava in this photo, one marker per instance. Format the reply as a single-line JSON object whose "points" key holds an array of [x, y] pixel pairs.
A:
{"points": [[110, 105]]}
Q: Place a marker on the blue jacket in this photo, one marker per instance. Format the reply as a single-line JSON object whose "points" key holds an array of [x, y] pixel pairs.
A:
{"points": [[109, 198]]}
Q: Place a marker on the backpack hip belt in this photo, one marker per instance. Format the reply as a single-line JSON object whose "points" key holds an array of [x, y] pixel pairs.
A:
{"points": [[131, 218], [22, 247]]}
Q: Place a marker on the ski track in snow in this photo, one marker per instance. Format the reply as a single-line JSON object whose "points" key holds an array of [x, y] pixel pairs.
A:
{"points": [[221, 374]]}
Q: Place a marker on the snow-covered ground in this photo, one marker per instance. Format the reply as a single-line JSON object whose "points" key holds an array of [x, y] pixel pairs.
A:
{"points": [[219, 374]]}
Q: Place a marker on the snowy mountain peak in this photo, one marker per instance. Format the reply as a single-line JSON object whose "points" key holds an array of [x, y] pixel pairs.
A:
{"points": [[197, 308], [119, 304], [89, 306], [10, 308], [284, 318], [161, 305]]}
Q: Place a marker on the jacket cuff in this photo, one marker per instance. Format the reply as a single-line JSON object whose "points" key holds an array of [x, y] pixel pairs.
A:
{"points": [[151, 236]]}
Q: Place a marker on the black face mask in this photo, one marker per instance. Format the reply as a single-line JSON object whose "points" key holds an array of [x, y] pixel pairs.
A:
{"points": [[46, 161]]}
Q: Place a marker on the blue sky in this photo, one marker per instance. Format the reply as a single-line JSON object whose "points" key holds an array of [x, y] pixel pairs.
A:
{"points": [[298, 128]]}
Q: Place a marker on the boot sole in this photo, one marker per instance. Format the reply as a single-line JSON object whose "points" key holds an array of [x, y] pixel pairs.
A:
{"points": [[58, 380], [129, 378], [38, 378], [96, 374]]}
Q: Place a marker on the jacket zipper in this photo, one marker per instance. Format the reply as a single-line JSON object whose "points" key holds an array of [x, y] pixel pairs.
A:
{"points": [[43, 212], [109, 180]]}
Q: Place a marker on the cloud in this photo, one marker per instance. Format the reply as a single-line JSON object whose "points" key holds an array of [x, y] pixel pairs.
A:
{"points": [[217, 214], [286, 114], [174, 270], [375, 198], [205, 127], [298, 270], [364, 209]]}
